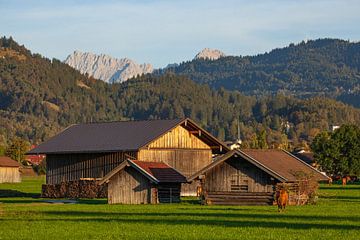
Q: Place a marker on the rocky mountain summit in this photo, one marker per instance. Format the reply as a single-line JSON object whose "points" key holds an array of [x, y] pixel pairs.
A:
{"points": [[209, 54], [105, 67]]}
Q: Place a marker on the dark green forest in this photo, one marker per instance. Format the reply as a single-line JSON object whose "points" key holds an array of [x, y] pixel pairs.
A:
{"points": [[39, 97], [323, 67]]}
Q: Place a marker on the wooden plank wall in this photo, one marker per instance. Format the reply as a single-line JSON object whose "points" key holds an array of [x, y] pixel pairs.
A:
{"points": [[169, 192], [233, 174], [179, 137], [68, 167], [129, 187], [9, 175], [181, 150]]}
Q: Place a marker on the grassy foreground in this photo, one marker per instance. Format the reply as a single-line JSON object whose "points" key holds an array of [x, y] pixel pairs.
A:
{"points": [[336, 216]]}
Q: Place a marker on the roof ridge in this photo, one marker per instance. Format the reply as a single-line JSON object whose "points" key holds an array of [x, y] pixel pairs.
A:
{"points": [[136, 120], [306, 164]]}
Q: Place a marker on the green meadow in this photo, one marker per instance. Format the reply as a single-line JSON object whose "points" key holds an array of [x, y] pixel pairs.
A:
{"points": [[335, 216]]}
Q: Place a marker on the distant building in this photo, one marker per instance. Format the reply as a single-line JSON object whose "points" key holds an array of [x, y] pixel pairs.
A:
{"points": [[334, 127], [9, 170], [34, 159]]}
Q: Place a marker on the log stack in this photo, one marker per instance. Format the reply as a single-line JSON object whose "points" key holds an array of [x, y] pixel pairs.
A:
{"points": [[75, 189]]}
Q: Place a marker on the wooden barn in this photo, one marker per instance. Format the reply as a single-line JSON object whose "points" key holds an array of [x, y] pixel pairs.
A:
{"points": [[9, 170], [249, 177], [91, 151], [139, 182]]}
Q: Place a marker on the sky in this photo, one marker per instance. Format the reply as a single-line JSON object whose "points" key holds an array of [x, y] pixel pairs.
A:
{"points": [[162, 32]]}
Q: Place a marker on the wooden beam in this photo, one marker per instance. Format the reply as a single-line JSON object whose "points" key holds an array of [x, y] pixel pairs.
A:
{"points": [[196, 132]]}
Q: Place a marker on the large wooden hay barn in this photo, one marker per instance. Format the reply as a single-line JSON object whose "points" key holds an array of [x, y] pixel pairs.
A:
{"points": [[139, 182], [91, 151], [249, 177], [9, 170]]}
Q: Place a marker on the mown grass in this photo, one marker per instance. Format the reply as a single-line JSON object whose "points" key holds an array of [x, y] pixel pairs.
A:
{"points": [[336, 216]]}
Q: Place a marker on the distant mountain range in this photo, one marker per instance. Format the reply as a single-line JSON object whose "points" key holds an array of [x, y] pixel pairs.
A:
{"points": [[105, 67], [112, 70], [323, 67]]}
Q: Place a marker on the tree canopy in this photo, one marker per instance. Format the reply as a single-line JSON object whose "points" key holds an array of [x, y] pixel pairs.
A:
{"points": [[338, 153]]}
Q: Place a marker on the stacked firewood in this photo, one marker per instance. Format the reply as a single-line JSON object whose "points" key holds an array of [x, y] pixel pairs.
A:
{"points": [[75, 189]]}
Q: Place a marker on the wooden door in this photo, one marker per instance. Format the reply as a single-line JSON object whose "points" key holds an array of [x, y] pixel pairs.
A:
{"points": [[239, 181]]}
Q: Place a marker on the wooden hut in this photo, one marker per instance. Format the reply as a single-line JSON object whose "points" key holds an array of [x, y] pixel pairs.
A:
{"points": [[9, 170], [249, 177], [139, 182], [91, 151]]}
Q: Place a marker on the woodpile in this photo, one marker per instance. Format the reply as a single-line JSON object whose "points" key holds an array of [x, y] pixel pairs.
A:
{"points": [[297, 196], [75, 189]]}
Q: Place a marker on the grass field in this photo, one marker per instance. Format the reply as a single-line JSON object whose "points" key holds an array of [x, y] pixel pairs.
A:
{"points": [[336, 216]]}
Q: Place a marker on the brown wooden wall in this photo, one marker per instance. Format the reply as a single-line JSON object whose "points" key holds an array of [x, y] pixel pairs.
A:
{"points": [[9, 175], [129, 187], [237, 175], [68, 167], [181, 150], [178, 137]]}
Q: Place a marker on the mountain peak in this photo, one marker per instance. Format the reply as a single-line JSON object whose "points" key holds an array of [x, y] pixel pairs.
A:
{"points": [[210, 54], [105, 67]]}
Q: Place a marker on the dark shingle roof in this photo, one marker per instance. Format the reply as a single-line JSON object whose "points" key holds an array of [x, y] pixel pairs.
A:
{"points": [[105, 137], [8, 162], [283, 163]]}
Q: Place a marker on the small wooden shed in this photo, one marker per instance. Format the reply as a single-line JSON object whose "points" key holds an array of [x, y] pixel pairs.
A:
{"points": [[249, 177], [9, 170], [139, 182]]}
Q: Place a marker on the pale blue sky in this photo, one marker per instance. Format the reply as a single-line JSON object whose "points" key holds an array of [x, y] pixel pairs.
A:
{"points": [[162, 32]]}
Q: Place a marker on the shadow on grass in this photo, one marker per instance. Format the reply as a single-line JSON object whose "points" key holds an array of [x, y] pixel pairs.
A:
{"points": [[339, 187], [226, 220], [9, 193], [274, 215]]}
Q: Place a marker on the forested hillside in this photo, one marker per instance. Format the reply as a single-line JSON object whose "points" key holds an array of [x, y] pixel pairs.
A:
{"points": [[324, 67], [39, 97]]}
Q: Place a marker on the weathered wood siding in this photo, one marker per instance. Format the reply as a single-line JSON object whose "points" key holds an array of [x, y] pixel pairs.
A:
{"points": [[69, 167], [181, 150], [237, 175], [9, 175], [178, 137], [186, 161], [169, 192], [129, 187]]}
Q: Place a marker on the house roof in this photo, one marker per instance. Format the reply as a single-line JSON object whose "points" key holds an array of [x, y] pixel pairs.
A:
{"points": [[307, 157], [277, 163], [283, 163], [117, 136], [157, 172], [8, 162]]}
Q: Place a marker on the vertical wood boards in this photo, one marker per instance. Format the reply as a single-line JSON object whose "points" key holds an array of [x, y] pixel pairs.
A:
{"points": [[9, 175], [178, 137], [68, 167], [237, 175], [128, 186]]}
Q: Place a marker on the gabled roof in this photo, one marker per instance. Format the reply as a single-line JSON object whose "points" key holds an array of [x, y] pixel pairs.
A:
{"points": [[283, 163], [157, 172], [277, 163], [117, 136], [8, 162]]}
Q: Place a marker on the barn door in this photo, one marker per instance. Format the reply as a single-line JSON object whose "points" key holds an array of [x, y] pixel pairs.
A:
{"points": [[239, 182]]}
